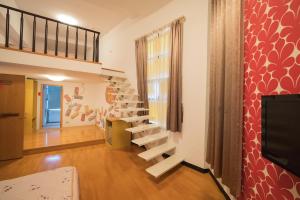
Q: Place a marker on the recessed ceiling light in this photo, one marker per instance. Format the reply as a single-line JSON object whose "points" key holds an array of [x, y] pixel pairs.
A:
{"points": [[67, 19], [56, 77]]}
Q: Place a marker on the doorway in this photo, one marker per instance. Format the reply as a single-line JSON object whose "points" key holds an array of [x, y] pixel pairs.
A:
{"points": [[52, 106]]}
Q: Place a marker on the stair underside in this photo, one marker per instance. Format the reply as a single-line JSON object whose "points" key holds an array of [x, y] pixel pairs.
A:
{"points": [[135, 118], [165, 165], [157, 151], [142, 128], [150, 138]]}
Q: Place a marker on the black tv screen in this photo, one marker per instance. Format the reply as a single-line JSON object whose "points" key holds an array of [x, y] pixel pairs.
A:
{"points": [[281, 131]]}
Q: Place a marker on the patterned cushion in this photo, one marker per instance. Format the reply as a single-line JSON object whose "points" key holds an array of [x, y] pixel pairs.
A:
{"points": [[58, 184]]}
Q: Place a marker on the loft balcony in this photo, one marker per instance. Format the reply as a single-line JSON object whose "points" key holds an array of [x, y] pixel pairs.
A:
{"points": [[34, 40]]}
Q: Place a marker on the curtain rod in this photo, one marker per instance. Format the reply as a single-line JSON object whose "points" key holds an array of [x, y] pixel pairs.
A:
{"points": [[181, 19]]}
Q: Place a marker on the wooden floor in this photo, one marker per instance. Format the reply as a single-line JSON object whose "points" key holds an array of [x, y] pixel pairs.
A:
{"points": [[116, 174], [48, 137]]}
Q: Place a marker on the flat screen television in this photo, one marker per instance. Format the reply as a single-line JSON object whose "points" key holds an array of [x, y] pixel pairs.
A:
{"points": [[281, 131]]}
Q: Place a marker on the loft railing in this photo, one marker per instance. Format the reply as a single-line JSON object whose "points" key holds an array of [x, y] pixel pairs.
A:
{"points": [[96, 34]]}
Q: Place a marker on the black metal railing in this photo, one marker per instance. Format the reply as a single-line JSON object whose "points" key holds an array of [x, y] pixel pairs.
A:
{"points": [[96, 34]]}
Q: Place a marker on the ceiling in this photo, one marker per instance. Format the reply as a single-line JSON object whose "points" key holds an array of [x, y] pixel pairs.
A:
{"points": [[100, 15]]}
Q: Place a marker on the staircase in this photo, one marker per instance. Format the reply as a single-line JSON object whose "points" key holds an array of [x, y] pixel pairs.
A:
{"points": [[126, 107]]}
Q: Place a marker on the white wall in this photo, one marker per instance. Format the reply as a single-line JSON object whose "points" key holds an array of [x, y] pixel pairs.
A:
{"points": [[93, 96], [117, 50]]}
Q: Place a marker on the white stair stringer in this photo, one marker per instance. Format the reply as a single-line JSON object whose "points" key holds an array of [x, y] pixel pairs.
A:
{"points": [[126, 105]]}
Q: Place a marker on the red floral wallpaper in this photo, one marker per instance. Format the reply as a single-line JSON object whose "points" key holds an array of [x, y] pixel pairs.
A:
{"points": [[272, 66]]}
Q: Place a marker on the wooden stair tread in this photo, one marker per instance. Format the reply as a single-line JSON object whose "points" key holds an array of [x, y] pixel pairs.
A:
{"points": [[150, 138], [142, 128], [157, 151], [165, 165], [135, 118]]}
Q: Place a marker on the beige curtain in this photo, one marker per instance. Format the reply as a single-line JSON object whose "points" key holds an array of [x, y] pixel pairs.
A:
{"points": [[174, 110], [224, 147], [141, 69], [158, 45]]}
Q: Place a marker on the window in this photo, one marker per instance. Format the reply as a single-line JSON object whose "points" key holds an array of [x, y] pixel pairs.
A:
{"points": [[158, 65]]}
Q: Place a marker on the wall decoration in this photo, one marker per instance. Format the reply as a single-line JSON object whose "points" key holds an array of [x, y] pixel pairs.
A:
{"points": [[272, 66], [88, 111], [76, 93], [101, 117], [76, 108], [74, 115], [82, 117], [81, 109], [67, 98], [109, 96], [92, 117], [81, 103], [68, 112]]}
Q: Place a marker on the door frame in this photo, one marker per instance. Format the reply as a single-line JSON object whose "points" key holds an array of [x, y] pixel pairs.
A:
{"points": [[42, 103]]}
